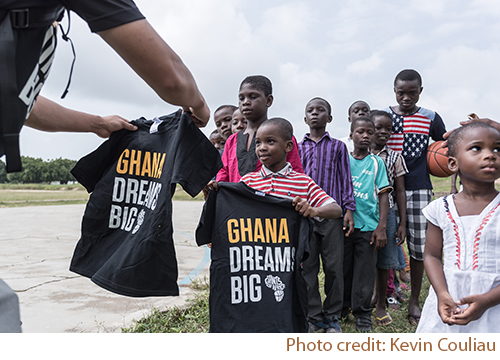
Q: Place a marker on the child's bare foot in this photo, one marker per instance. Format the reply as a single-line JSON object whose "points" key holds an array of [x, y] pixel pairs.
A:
{"points": [[413, 312]]}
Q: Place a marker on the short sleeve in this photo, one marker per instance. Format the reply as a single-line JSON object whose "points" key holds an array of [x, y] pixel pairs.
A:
{"points": [[400, 168], [293, 158], [431, 211], [90, 169], [381, 179], [196, 159], [438, 128], [229, 150], [316, 196], [105, 14]]}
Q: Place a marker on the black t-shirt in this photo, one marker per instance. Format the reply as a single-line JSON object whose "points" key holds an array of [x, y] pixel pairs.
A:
{"points": [[259, 243], [126, 243], [35, 46]]}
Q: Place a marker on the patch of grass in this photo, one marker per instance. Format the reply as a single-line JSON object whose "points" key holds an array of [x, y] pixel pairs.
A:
{"points": [[16, 195], [400, 323], [41, 203], [51, 187], [442, 186], [192, 318], [180, 194]]}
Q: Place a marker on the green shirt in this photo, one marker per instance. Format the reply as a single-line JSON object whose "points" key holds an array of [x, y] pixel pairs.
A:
{"points": [[369, 178]]}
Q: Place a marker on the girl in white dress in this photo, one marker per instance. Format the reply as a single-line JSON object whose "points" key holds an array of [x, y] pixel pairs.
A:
{"points": [[464, 234]]}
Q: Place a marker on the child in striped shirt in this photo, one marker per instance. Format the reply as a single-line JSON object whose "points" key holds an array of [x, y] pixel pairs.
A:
{"points": [[273, 142], [326, 161]]}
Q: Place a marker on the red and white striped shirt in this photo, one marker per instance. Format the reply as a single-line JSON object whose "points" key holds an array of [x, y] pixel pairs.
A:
{"points": [[287, 183]]}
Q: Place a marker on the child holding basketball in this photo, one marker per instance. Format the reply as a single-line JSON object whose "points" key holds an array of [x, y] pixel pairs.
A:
{"points": [[462, 234], [413, 126]]}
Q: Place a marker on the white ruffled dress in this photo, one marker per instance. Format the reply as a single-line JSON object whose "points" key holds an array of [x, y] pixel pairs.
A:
{"points": [[471, 258]]}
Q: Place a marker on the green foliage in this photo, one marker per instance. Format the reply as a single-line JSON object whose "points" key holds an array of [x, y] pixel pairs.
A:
{"points": [[36, 171], [192, 318], [3, 172]]}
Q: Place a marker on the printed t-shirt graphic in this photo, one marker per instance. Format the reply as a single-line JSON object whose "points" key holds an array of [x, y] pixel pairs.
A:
{"points": [[259, 243], [126, 244], [410, 137]]}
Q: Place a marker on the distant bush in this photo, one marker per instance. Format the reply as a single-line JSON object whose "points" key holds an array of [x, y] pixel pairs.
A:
{"points": [[37, 171]]}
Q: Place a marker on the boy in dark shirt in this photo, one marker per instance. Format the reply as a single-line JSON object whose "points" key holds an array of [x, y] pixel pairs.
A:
{"points": [[412, 127], [255, 97]]}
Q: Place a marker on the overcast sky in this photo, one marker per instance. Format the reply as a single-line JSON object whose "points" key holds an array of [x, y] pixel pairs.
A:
{"points": [[340, 50]]}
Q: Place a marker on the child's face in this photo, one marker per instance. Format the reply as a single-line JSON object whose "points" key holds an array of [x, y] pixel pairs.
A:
{"points": [[407, 95], [383, 130], [239, 122], [362, 135], [252, 102], [359, 108], [218, 142], [270, 147], [317, 114], [223, 119], [477, 156]]}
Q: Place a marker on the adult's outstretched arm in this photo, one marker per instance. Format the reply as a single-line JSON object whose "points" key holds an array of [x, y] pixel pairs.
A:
{"points": [[50, 116], [159, 66]]}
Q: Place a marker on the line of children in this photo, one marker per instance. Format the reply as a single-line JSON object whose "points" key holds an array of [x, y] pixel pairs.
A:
{"points": [[368, 222], [326, 161]]}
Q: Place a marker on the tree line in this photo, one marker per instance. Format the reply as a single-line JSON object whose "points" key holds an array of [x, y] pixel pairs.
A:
{"points": [[37, 171]]}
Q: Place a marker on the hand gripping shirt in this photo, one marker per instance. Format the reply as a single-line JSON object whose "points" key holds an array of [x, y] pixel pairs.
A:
{"points": [[126, 243], [258, 243]]}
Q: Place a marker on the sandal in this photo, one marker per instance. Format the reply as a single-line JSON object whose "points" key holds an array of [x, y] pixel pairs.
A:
{"points": [[384, 320], [400, 295], [413, 319], [392, 303]]}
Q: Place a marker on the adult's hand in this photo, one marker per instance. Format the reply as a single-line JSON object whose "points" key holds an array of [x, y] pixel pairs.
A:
{"points": [[50, 116], [472, 117]]}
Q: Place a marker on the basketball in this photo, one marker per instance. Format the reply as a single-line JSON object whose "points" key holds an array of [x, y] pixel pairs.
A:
{"points": [[437, 161]]}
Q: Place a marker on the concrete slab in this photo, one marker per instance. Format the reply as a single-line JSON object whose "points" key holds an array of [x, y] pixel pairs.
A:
{"points": [[36, 247]]}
